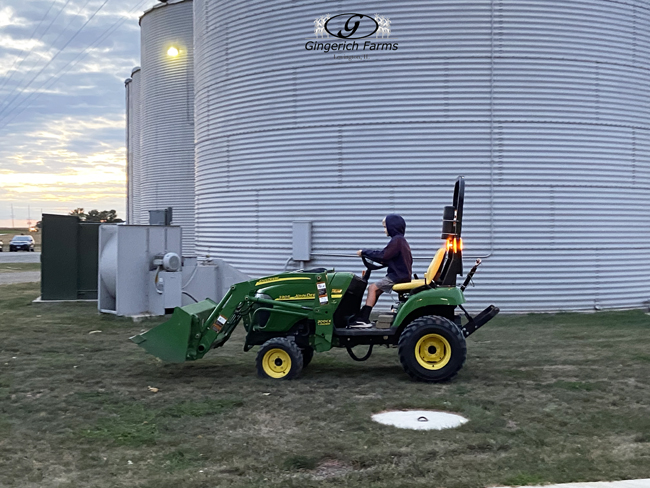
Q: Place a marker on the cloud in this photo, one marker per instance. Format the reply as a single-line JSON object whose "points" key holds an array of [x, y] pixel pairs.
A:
{"points": [[8, 17], [62, 137]]}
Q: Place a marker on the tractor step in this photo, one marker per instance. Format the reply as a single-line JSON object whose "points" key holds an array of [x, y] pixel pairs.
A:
{"points": [[370, 331], [480, 320]]}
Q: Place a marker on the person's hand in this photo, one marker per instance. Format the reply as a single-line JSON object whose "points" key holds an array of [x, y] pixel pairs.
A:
{"points": [[359, 253]]}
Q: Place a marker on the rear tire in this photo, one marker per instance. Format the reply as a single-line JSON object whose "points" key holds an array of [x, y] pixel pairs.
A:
{"points": [[279, 359], [432, 349]]}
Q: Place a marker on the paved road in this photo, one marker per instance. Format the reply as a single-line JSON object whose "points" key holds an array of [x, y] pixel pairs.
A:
{"points": [[20, 257], [19, 277]]}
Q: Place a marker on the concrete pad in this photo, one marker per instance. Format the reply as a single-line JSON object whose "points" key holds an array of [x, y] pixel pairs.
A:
{"points": [[645, 483], [40, 300], [20, 277], [420, 419], [20, 257]]}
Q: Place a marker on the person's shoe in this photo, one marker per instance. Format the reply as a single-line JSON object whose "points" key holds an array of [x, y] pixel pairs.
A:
{"points": [[362, 319], [360, 325]]}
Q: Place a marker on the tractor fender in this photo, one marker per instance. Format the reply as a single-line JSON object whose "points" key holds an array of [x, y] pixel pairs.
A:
{"points": [[427, 302]]}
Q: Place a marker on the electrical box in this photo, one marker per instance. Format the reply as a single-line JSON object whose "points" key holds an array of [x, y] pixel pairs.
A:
{"points": [[69, 258], [165, 290], [160, 217], [301, 241], [127, 270]]}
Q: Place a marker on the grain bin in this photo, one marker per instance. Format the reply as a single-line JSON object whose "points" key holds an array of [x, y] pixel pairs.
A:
{"points": [[167, 115], [542, 105], [133, 166]]}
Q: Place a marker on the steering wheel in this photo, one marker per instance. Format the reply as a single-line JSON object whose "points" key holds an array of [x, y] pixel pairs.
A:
{"points": [[370, 267]]}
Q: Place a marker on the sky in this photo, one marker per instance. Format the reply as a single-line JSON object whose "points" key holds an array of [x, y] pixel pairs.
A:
{"points": [[62, 117]]}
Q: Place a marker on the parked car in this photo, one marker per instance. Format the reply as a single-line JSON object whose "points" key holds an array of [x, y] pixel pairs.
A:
{"points": [[21, 243]]}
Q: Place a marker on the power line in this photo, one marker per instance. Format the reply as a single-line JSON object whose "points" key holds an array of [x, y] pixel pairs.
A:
{"points": [[71, 64], [53, 43], [31, 37], [38, 40], [53, 58]]}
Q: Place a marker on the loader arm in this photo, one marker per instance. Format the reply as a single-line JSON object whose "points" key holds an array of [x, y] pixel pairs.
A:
{"points": [[194, 329]]}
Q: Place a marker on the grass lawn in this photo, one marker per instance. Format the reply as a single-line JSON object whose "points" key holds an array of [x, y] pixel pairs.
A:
{"points": [[17, 267], [550, 398], [7, 233]]}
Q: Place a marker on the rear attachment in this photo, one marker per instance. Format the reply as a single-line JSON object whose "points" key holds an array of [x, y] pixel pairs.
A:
{"points": [[475, 323]]}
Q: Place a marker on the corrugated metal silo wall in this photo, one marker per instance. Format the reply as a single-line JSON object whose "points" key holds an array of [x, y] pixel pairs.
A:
{"points": [[129, 152], [542, 105], [167, 129], [134, 168]]}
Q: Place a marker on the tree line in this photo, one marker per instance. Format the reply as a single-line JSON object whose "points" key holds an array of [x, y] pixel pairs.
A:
{"points": [[105, 216]]}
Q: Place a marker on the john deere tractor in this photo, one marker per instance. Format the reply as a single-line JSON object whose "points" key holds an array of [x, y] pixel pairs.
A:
{"points": [[291, 315]]}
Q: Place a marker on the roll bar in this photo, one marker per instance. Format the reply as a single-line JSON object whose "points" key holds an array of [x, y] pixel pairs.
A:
{"points": [[452, 226]]}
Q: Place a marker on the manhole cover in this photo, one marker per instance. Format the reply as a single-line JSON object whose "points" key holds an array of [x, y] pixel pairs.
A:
{"points": [[420, 419]]}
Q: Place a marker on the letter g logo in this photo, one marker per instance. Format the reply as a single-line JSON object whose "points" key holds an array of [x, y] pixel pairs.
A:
{"points": [[348, 25]]}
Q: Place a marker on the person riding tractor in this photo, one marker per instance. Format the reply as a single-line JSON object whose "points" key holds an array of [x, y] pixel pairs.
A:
{"points": [[396, 256]]}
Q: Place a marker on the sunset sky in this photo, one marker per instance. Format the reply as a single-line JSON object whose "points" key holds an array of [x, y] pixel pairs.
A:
{"points": [[62, 69]]}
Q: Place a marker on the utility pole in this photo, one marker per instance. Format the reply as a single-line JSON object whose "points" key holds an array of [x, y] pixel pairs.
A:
{"points": [[29, 217], [12, 215]]}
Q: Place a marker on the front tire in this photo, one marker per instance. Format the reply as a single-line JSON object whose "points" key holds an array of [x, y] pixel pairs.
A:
{"points": [[432, 349], [279, 359]]}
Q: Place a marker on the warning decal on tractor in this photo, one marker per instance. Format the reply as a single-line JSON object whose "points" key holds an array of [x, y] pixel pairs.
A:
{"points": [[275, 279], [322, 293], [219, 323], [301, 296]]}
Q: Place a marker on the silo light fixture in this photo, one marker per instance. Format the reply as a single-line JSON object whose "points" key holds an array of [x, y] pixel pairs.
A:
{"points": [[172, 51]]}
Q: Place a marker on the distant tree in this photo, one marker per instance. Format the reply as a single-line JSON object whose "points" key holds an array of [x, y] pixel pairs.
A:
{"points": [[93, 216], [78, 212], [39, 225], [108, 216]]}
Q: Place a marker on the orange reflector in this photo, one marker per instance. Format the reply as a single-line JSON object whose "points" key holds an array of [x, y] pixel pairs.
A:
{"points": [[455, 243]]}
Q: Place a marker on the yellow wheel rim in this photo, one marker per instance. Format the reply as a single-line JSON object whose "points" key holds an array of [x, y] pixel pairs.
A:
{"points": [[276, 363], [433, 351]]}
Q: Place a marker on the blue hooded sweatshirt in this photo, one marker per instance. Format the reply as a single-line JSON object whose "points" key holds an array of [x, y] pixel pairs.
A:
{"points": [[397, 254]]}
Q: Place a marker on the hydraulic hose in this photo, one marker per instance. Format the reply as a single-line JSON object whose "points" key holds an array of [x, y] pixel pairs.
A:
{"points": [[355, 357]]}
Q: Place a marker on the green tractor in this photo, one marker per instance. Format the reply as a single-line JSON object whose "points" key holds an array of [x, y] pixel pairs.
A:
{"points": [[290, 315]]}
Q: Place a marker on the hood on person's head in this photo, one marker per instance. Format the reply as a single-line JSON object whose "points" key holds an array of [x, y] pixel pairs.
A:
{"points": [[395, 225]]}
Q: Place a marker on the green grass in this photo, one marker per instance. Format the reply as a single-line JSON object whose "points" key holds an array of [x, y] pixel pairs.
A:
{"points": [[17, 267], [550, 398]]}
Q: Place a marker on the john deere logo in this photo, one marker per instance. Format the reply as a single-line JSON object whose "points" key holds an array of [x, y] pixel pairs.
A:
{"points": [[351, 26]]}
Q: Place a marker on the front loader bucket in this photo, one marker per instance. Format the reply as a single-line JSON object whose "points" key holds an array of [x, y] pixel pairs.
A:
{"points": [[170, 340]]}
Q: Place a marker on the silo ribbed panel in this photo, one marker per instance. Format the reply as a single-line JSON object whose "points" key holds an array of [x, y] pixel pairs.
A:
{"points": [[135, 143], [167, 129], [542, 105], [134, 167], [129, 152]]}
